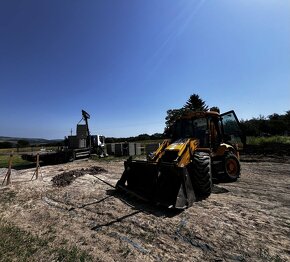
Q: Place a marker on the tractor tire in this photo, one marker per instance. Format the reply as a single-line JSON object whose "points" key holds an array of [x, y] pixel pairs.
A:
{"points": [[200, 174], [232, 167]]}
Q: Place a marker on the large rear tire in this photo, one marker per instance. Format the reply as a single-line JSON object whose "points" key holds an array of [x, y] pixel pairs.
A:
{"points": [[200, 174], [232, 167]]}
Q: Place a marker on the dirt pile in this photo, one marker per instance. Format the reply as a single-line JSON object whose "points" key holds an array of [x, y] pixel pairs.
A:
{"points": [[66, 178]]}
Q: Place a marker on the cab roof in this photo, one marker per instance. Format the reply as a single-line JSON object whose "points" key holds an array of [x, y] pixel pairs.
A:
{"points": [[199, 114]]}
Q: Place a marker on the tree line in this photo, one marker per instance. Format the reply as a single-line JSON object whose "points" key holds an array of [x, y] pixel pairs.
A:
{"points": [[271, 125], [22, 143]]}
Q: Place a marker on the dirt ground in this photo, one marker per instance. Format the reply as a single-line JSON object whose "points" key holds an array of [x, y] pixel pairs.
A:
{"points": [[248, 220]]}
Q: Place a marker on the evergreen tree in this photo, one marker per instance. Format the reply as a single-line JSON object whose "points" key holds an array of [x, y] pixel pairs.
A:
{"points": [[215, 109], [195, 103]]}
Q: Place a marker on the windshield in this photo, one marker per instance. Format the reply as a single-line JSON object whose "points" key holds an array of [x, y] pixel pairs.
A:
{"points": [[190, 128]]}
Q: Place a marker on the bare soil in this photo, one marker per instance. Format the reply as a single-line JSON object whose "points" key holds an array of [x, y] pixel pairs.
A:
{"points": [[248, 220]]}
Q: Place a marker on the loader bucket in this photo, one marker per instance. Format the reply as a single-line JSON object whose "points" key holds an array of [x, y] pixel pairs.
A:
{"points": [[161, 183]]}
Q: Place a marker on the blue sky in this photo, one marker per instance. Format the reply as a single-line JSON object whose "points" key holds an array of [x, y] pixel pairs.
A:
{"points": [[127, 62]]}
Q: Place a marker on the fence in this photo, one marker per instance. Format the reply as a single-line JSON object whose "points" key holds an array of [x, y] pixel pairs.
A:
{"points": [[7, 178]]}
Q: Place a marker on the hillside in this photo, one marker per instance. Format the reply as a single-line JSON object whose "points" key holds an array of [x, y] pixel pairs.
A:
{"points": [[31, 141]]}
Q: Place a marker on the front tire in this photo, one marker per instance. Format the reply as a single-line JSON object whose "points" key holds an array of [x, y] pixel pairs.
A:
{"points": [[232, 167], [200, 175]]}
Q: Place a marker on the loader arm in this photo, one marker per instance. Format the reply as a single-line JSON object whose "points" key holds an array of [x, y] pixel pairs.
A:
{"points": [[165, 179], [186, 153], [159, 152]]}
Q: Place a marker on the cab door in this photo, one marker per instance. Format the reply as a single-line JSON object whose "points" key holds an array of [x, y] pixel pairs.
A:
{"points": [[231, 129]]}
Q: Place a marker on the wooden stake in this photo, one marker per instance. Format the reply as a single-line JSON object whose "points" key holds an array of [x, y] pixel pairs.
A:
{"points": [[37, 167], [8, 174]]}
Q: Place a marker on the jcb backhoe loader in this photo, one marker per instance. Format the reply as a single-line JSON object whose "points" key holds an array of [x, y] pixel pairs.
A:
{"points": [[204, 146]]}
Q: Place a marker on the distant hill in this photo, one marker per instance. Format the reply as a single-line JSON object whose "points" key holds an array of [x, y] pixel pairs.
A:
{"points": [[32, 141]]}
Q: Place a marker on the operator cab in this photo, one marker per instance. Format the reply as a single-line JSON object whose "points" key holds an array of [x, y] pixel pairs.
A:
{"points": [[209, 128], [191, 128]]}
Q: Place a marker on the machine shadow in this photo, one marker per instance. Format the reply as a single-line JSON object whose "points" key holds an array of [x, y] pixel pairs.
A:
{"points": [[219, 190], [143, 206], [150, 207]]}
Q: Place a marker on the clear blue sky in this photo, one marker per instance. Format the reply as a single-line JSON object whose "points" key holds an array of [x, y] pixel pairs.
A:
{"points": [[127, 62]]}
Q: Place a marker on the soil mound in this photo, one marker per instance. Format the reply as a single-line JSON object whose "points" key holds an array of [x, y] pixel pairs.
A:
{"points": [[66, 178]]}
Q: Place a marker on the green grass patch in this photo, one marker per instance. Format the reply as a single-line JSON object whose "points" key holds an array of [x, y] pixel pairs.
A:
{"points": [[26, 149], [268, 140], [17, 162]]}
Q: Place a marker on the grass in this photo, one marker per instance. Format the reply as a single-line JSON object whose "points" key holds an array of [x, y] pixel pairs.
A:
{"points": [[25, 149], [17, 162], [19, 245], [268, 140]]}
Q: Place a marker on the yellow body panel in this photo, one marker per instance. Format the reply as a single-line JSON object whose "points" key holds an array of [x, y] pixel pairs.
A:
{"points": [[184, 149], [225, 148]]}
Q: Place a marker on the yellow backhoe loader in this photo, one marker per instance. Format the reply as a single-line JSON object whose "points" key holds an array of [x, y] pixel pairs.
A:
{"points": [[204, 146]]}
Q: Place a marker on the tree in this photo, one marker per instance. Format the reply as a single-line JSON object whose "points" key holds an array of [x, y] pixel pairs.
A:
{"points": [[274, 124], [195, 103], [287, 116], [143, 137], [172, 115], [215, 109], [22, 143], [287, 120], [6, 145]]}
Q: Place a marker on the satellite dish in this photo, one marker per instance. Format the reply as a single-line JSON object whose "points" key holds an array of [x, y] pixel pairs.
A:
{"points": [[85, 114]]}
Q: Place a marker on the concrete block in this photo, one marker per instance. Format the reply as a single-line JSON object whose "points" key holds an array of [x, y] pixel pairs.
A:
{"points": [[118, 149]]}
